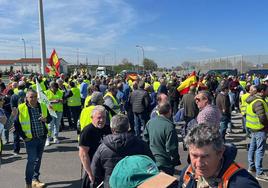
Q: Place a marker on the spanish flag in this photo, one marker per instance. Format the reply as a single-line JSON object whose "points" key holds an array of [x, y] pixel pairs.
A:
{"points": [[51, 71], [53, 67], [54, 60], [186, 84], [132, 77]]}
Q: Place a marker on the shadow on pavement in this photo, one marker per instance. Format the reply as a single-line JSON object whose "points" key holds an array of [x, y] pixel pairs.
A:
{"points": [[11, 159], [70, 184], [10, 146], [235, 139], [60, 149], [236, 118]]}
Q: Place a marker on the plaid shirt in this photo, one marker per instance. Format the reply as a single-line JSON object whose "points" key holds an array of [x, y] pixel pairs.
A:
{"points": [[36, 125]]}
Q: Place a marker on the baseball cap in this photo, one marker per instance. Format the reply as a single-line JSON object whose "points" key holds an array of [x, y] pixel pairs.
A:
{"points": [[140, 171], [132, 171]]}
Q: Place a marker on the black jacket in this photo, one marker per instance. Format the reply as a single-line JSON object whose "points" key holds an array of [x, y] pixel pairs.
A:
{"points": [[140, 101], [242, 178], [114, 148]]}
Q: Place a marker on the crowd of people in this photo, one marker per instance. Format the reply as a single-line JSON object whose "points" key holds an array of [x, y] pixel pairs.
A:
{"points": [[117, 117]]}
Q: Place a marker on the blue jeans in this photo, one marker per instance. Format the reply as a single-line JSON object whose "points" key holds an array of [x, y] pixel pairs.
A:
{"points": [[54, 125], [224, 125], [244, 125], [34, 149], [257, 145], [6, 135], [140, 121]]}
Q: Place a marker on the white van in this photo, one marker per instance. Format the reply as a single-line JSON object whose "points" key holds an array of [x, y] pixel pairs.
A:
{"points": [[103, 71]]}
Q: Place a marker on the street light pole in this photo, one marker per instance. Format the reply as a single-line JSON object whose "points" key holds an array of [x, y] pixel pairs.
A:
{"points": [[139, 46], [42, 37], [24, 44]]}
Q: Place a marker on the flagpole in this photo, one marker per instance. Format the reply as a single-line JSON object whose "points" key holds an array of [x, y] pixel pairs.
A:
{"points": [[42, 37]]}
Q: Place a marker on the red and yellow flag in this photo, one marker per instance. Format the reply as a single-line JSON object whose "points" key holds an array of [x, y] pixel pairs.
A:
{"points": [[133, 77], [53, 67], [51, 71], [54, 60], [186, 84]]}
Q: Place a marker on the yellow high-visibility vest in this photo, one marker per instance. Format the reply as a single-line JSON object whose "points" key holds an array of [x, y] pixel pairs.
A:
{"points": [[243, 83], [87, 100], [25, 121], [252, 120], [116, 105], [243, 105], [42, 85], [74, 100], [85, 116], [58, 107], [156, 85], [16, 91]]}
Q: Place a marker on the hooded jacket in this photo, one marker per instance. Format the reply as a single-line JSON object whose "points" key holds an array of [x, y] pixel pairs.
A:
{"points": [[114, 148], [242, 178], [258, 108]]}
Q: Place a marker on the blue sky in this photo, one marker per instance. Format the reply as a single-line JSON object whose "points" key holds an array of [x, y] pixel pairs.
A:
{"points": [[170, 31]]}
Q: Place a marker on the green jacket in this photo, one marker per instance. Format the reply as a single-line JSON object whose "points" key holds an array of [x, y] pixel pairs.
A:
{"points": [[162, 138]]}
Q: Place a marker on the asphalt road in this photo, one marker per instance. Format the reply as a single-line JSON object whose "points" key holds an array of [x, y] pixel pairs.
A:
{"points": [[61, 166]]}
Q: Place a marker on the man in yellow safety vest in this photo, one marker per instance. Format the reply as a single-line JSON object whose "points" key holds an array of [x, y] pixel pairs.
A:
{"points": [[32, 125], [257, 122]]}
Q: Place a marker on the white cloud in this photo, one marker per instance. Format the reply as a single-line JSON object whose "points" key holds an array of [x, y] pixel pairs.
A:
{"points": [[83, 24], [159, 49], [201, 49], [173, 48], [151, 48]]}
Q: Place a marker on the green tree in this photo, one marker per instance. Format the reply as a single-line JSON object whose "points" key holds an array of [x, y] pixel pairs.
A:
{"points": [[124, 65], [149, 64]]}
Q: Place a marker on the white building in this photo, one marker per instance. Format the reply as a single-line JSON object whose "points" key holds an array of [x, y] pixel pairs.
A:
{"points": [[28, 64]]}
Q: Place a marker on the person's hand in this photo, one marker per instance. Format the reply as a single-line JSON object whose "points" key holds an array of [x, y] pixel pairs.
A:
{"points": [[43, 119], [91, 177], [3, 119], [14, 112]]}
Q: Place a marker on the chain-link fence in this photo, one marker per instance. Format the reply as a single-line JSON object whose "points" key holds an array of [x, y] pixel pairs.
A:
{"points": [[240, 62]]}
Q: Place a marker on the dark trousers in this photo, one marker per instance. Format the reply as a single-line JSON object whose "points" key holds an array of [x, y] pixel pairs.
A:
{"points": [[174, 106], [66, 113], [85, 181], [130, 116], [140, 120], [75, 113], [16, 145]]}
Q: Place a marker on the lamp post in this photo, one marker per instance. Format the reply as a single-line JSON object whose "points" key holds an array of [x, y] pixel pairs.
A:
{"points": [[139, 46], [42, 36], [24, 44]]}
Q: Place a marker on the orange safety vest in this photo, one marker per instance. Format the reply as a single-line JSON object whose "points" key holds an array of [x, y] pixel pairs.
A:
{"points": [[232, 169]]}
